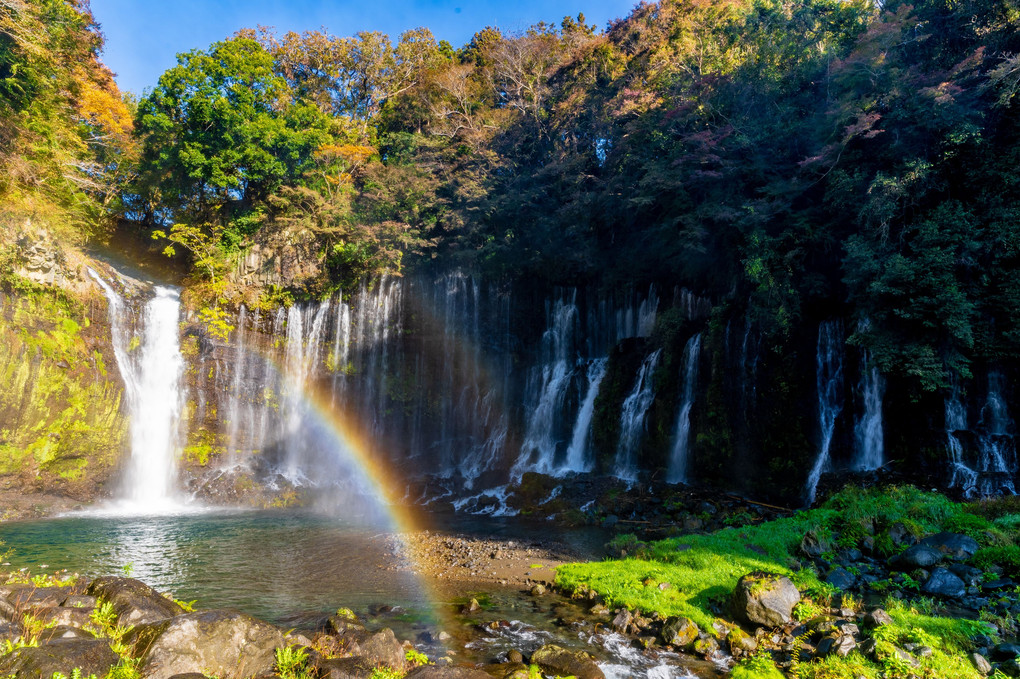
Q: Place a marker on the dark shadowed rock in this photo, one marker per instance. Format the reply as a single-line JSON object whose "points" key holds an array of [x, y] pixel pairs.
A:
{"points": [[62, 615], [765, 599], [953, 546], [227, 644], [25, 597], [433, 672], [91, 656], [943, 583], [564, 662], [680, 632], [189, 675], [917, 556], [841, 579], [900, 535], [134, 602], [345, 668], [841, 645]]}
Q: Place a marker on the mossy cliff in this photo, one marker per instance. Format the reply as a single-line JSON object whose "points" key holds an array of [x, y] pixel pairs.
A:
{"points": [[61, 424]]}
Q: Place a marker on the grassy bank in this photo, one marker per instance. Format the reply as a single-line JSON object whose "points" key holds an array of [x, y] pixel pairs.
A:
{"points": [[700, 573]]}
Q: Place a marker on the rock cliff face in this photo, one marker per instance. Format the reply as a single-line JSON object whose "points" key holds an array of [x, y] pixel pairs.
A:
{"points": [[61, 424]]}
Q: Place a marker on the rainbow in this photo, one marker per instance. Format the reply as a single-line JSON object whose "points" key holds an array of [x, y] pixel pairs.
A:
{"points": [[383, 480]]}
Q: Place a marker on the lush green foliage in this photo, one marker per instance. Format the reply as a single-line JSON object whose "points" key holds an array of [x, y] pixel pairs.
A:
{"points": [[795, 160], [703, 571]]}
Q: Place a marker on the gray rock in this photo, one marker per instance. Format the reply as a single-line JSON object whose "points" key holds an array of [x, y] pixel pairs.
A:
{"points": [[345, 668], [841, 579], [1006, 651], [841, 645], [981, 663], [227, 644], [564, 662], [680, 632], [918, 556], [134, 602], [953, 546], [381, 648], [765, 599], [943, 583], [877, 617], [61, 615], [623, 621], [433, 672], [91, 656], [26, 597], [80, 601], [61, 633]]}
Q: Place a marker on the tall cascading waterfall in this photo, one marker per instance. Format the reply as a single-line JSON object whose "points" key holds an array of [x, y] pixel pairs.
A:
{"points": [[633, 419], [562, 387], [547, 388], [580, 440], [829, 382], [996, 444], [961, 476], [983, 458], [680, 451], [869, 440], [151, 366]]}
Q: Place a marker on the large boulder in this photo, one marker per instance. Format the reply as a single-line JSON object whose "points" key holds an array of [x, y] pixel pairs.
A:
{"points": [[91, 656], [227, 644], [134, 602], [765, 599], [25, 597], [944, 583], [380, 648], [680, 632], [565, 662], [952, 545], [917, 556]]}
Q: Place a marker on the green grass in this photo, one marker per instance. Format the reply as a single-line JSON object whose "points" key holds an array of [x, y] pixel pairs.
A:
{"points": [[704, 570]]}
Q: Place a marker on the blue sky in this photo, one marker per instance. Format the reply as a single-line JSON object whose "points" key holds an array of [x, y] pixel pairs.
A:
{"points": [[143, 37]]}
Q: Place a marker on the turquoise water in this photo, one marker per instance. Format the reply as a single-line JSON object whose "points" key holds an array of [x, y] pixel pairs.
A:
{"points": [[286, 567]]}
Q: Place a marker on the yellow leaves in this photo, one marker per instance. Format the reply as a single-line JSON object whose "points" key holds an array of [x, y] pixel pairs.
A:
{"points": [[348, 157], [103, 108]]}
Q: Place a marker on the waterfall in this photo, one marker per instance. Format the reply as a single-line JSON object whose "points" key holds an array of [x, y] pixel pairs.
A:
{"points": [[548, 386], [677, 472], [577, 458], [632, 419], [961, 476], [829, 382], [151, 366], [868, 437], [982, 460], [997, 452]]}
